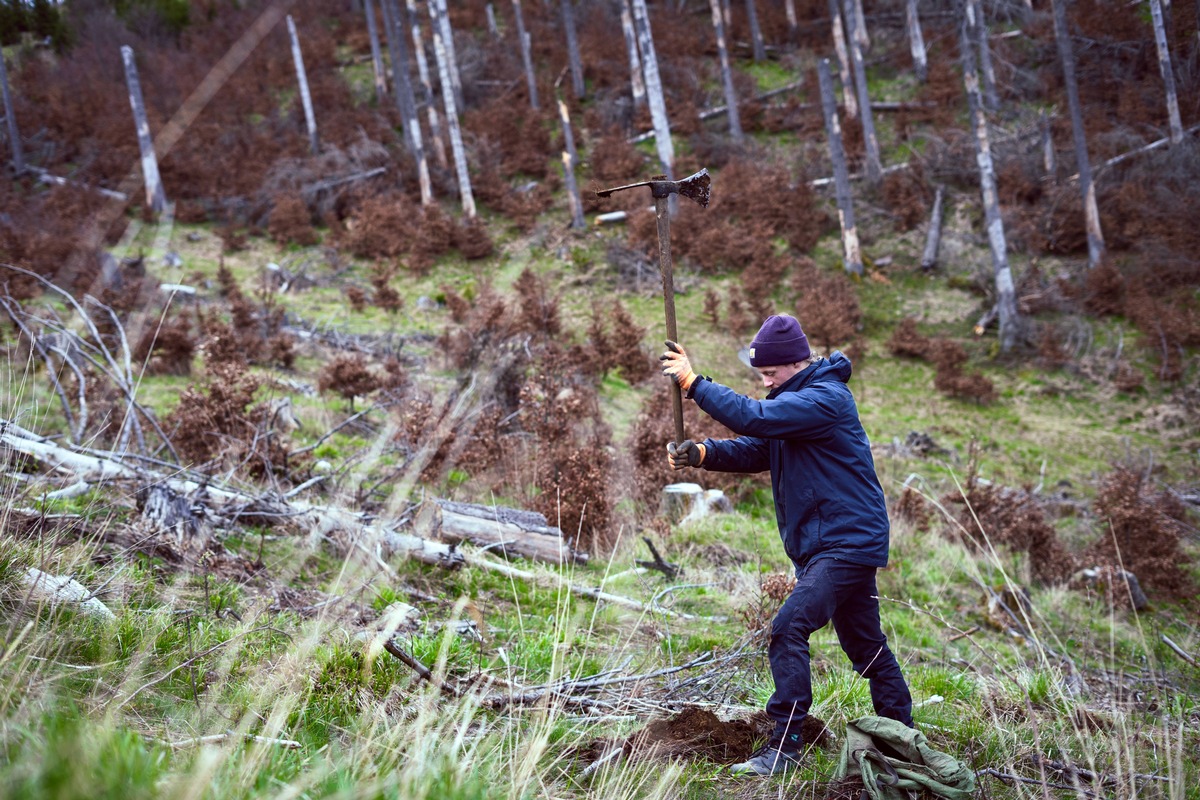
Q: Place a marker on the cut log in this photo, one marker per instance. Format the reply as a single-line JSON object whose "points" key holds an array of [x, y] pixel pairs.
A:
{"points": [[508, 531], [59, 590]]}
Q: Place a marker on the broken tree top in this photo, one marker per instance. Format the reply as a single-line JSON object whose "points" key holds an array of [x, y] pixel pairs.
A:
{"points": [[694, 187]]}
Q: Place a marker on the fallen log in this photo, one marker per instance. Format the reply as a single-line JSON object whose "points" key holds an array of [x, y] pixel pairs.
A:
{"points": [[508, 531], [60, 590]]}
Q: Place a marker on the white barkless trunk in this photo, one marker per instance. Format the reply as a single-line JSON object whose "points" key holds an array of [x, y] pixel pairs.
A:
{"points": [[14, 138], [491, 20], [1006, 300], [841, 177], [1091, 214], [573, 59], [870, 141], [1168, 75], [933, 236], [526, 56], [735, 124], [637, 82], [1049, 160], [456, 142], [406, 103], [310, 119], [569, 159], [451, 53], [156, 198], [975, 17], [654, 88], [431, 112], [859, 28], [916, 42], [839, 47], [376, 57], [756, 38], [789, 8]]}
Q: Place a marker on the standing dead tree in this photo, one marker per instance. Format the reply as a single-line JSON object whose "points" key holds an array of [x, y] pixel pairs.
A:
{"points": [[870, 141], [735, 124], [456, 141], [156, 198], [376, 58], [1006, 296], [654, 88], [637, 83], [443, 23], [843, 56], [845, 200], [1168, 74], [756, 37], [435, 124], [14, 138], [576, 63], [569, 159], [310, 118], [526, 55], [978, 22], [1091, 213], [406, 102], [916, 42], [933, 237]]}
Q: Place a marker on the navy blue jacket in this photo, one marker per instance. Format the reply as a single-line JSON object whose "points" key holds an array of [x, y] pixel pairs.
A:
{"points": [[828, 501]]}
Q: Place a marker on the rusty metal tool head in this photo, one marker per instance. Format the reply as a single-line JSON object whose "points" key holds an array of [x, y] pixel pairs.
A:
{"points": [[694, 187]]}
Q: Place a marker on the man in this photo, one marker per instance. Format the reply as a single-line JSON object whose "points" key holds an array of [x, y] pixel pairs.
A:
{"points": [[830, 509]]}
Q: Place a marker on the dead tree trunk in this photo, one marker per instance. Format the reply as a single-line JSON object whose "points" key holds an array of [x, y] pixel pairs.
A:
{"points": [[975, 17], [493, 30], [406, 102], [509, 531], [916, 42], [849, 102], [637, 82], [310, 119], [569, 159], [576, 63], [756, 37], [376, 57], [526, 56], [859, 27], [451, 53], [735, 123], [456, 142], [1091, 214], [1168, 74], [156, 197], [14, 138], [871, 143], [1006, 296], [789, 8], [933, 237], [837, 155], [1049, 160], [431, 112], [654, 88]]}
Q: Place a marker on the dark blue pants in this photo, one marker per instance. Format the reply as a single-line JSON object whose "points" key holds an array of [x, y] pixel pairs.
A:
{"points": [[826, 590]]}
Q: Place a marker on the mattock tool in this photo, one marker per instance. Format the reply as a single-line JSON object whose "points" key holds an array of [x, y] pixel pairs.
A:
{"points": [[695, 187]]}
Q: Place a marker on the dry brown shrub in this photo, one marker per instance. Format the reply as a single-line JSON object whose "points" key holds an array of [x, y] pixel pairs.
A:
{"points": [[1126, 378], [473, 239], [537, 307], [907, 340], [712, 307], [949, 358], [357, 298], [281, 350], [906, 195], [829, 309], [997, 515], [620, 346], [614, 161], [382, 227], [1141, 530], [169, 348], [1104, 289], [434, 238], [291, 222], [912, 507], [221, 344], [349, 375], [217, 423], [1052, 350]]}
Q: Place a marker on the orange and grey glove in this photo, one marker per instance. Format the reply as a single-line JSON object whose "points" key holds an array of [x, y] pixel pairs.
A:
{"points": [[686, 454], [677, 367]]}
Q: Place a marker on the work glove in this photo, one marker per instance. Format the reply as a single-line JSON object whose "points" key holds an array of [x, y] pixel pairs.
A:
{"points": [[686, 454], [677, 367]]}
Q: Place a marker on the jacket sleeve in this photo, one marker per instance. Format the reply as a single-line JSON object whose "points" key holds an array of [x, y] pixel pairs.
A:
{"points": [[744, 454], [806, 414]]}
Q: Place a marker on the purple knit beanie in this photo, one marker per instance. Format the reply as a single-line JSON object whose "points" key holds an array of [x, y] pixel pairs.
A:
{"points": [[779, 341]]}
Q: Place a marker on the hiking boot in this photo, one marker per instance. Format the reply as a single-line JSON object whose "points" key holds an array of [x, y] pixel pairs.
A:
{"points": [[775, 757]]}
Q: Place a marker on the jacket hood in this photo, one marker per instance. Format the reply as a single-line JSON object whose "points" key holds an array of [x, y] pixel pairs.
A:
{"points": [[835, 368]]}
